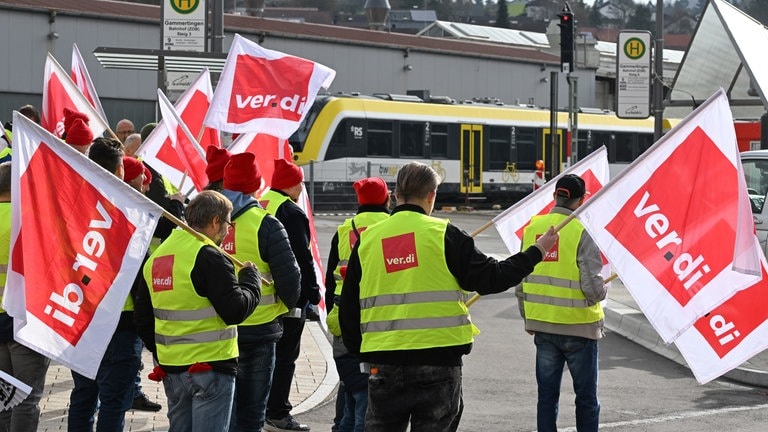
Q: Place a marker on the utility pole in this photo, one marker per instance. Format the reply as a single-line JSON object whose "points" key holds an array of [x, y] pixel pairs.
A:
{"points": [[658, 82]]}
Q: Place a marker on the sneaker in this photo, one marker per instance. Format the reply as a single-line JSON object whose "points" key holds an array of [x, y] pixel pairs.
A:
{"points": [[288, 423], [142, 403]]}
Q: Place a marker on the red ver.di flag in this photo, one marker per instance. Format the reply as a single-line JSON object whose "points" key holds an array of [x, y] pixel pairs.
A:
{"points": [[265, 91], [593, 169], [78, 239], [677, 225], [190, 154], [158, 150], [60, 92], [729, 335]]}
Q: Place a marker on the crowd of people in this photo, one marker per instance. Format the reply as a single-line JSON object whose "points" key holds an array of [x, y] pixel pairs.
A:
{"points": [[225, 340]]}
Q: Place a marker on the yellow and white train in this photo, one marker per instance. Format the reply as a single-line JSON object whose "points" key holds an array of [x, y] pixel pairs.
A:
{"points": [[485, 152]]}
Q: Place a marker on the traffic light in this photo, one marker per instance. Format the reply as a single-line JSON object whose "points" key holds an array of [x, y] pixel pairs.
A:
{"points": [[566, 39]]}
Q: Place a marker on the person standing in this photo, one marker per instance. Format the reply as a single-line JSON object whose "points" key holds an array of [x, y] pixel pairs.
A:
{"points": [[560, 302], [373, 197], [186, 313], [402, 306], [259, 237], [280, 201], [17, 360], [111, 392]]}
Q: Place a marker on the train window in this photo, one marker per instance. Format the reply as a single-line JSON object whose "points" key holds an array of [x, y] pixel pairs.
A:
{"points": [[379, 138], [644, 142], [500, 146], [625, 149], [527, 145], [608, 140], [411, 139], [439, 140]]}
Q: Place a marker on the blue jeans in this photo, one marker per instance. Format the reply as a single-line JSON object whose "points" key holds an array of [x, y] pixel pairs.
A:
{"points": [[30, 368], [428, 396], [113, 387], [199, 402], [552, 353], [254, 379], [355, 406]]}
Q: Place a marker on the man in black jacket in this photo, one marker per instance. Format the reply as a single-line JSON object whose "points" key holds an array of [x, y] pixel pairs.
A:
{"points": [[411, 273], [281, 202], [259, 237], [186, 312]]}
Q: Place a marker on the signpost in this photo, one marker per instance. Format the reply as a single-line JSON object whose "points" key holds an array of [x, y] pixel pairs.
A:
{"points": [[184, 29], [633, 75], [184, 25]]}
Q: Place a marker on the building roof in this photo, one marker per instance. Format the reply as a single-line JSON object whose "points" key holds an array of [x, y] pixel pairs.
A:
{"points": [[727, 51]]}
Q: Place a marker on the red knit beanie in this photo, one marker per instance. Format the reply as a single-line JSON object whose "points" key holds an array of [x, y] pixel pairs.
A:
{"points": [[242, 173], [76, 129], [147, 175], [286, 175], [217, 159], [132, 168], [372, 190]]}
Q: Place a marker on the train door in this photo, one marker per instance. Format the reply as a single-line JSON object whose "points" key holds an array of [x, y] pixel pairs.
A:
{"points": [[553, 158], [471, 163]]}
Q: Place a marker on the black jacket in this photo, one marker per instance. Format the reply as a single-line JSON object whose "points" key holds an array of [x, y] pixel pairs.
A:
{"points": [[296, 225]]}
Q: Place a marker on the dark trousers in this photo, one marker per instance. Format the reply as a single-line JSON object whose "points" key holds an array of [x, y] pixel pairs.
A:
{"points": [[429, 397], [286, 353]]}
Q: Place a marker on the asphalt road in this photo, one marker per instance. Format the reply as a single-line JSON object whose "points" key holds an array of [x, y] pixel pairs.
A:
{"points": [[639, 390]]}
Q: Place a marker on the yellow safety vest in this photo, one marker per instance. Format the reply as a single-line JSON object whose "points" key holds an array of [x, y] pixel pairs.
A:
{"points": [[346, 241], [272, 200], [552, 293], [5, 245], [246, 248], [409, 299], [187, 327]]}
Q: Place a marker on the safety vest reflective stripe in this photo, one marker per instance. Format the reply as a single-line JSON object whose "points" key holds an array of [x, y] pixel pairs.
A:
{"points": [[555, 301], [185, 315], [268, 300], [415, 324], [209, 336], [3, 268], [554, 281], [410, 298]]}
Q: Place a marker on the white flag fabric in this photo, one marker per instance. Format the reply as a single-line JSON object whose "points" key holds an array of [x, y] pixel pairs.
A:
{"points": [[593, 169], [265, 91], [60, 92], [158, 151], [78, 239], [672, 223], [729, 335], [81, 78], [12, 391]]}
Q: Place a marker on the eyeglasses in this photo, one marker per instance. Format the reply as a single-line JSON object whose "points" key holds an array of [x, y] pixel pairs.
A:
{"points": [[230, 225]]}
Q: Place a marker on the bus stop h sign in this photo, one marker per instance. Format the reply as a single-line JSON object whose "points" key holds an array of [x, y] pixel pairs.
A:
{"points": [[633, 75]]}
